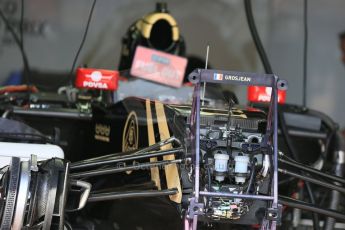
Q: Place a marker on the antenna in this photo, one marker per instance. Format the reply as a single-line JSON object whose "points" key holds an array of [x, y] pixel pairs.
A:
{"points": [[204, 87], [305, 52]]}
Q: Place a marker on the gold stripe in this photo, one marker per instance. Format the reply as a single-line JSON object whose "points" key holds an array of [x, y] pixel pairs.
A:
{"points": [[154, 170], [171, 172]]}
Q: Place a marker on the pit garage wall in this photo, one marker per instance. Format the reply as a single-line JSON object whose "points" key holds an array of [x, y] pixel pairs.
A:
{"points": [[58, 27], [326, 73]]}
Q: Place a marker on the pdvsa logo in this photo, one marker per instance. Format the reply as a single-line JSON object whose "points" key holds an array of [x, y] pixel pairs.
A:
{"points": [[96, 77]]}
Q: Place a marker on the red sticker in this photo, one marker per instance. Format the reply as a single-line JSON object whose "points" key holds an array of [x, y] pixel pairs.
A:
{"points": [[263, 94], [158, 66], [97, 79]]}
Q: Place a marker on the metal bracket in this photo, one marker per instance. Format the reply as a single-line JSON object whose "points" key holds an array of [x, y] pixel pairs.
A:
{"points": [[33, 163], [195, 208], [274, 214]]}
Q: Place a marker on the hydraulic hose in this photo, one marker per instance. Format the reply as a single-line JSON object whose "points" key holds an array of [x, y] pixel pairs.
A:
{"points": [[252, 176], [256, 37]]}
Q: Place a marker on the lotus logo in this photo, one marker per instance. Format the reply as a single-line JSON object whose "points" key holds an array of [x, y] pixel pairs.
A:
{"points": [[130, 134]]}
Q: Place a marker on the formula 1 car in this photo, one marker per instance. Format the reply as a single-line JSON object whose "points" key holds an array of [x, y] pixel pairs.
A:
{"points": [[75, 161], [187, 164]]}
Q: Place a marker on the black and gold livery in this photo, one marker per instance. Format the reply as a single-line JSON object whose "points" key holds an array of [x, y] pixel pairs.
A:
{"points": [[129, 125], [139, 148]]}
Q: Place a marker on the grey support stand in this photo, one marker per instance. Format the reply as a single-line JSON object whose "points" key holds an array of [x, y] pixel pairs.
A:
{"points": [[270, 142]]}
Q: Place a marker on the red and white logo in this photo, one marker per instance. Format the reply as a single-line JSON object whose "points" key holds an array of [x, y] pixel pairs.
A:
{"points": [[158, 66], [263, 94], [97, 79]]}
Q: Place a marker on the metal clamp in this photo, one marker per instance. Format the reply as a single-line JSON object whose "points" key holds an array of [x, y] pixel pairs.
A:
{"points": [[195, 208], [274, 214]]}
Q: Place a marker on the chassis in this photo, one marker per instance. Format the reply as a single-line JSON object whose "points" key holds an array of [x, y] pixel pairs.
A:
{"points": [[139, 148]]}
